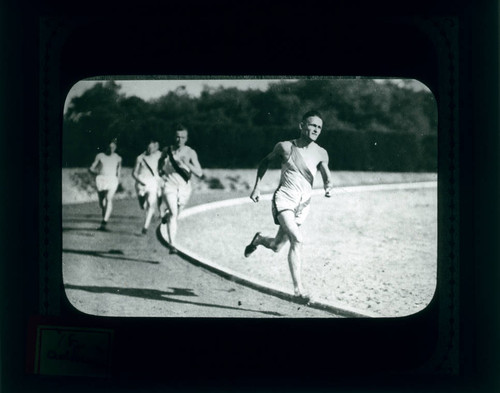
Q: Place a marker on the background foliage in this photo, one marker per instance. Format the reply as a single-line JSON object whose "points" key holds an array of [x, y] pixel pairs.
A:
{"points": [[367, 125]]}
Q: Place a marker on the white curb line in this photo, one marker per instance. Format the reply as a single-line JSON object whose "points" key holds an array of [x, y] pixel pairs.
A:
{"points": [[335, 191]]}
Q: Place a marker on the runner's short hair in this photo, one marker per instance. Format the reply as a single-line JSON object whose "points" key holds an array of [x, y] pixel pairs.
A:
{"points": [[311, 114], [180, 127]]}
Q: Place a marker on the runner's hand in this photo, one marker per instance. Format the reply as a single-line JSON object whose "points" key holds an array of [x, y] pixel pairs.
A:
{"points": [[255, 196]]}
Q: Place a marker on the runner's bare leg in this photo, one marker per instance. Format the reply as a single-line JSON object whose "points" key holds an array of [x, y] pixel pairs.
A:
{"points": [[290, 227], [150, 212], [273, 243], [172, 214], [109, 205], [162, 208], [102, 202]]}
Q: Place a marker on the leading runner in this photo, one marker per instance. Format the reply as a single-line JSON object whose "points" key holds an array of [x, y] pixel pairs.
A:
{"points": [[300, 159]]}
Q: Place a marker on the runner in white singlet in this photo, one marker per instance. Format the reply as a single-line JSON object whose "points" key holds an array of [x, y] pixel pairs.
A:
{"points": [[107, 167], [147, 180], [300, 160], [175, 166]]}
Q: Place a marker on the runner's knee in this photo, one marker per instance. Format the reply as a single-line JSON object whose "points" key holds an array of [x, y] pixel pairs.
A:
{"points": [[278, 243], [151, 201], [296, 238], [277, 247]]}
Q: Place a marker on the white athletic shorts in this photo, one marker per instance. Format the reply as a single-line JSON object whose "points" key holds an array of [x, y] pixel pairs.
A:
{"points": [[106, 183], [298, 204], [152, 187], [181, 192]]}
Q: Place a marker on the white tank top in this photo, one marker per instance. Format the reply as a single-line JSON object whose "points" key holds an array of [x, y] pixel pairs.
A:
{"points": [[109, 164], [293, 181], [170, 175], [152, 161]]}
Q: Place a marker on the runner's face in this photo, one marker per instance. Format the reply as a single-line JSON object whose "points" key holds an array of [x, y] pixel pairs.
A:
{"points": [[181, 138], [152, 147], [311, 127], [112, 147]]}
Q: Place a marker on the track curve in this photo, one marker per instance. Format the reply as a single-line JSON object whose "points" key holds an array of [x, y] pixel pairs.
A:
{"points": [[121, 273]]}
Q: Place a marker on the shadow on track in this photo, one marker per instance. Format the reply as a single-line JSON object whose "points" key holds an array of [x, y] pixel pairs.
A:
{"points": [[98, 217], [95, 230], [154, 294], [110, 254]]}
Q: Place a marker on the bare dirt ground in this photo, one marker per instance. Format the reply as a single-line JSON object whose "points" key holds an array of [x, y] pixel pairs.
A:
{"points": [[373, 251], [122, 273]]}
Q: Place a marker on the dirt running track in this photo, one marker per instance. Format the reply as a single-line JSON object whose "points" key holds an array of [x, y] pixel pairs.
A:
{"points": [[123, 273]]}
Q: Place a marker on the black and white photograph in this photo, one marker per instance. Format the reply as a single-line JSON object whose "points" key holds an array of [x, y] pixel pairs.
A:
{"points": [[260, 196], [253, 197]]}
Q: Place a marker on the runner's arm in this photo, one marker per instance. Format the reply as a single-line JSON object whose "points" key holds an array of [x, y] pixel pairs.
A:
{"points": [[325, 174], [135, 172], [262, 169], [119, 168], [161, 161], [93, 167], [193, 164]]}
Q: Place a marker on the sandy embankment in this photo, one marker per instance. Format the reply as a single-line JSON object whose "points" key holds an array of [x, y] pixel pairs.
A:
{"points": [[78, 186]]}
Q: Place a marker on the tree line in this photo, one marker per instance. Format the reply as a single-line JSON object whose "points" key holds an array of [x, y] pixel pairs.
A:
{"points": [[367, 125]]}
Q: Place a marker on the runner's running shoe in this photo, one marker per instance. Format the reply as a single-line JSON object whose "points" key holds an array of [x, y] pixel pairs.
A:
{"points": [[251, 247]]}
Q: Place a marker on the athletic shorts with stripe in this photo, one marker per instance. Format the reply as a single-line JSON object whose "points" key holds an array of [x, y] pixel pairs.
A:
{"points": [[297, 204]]}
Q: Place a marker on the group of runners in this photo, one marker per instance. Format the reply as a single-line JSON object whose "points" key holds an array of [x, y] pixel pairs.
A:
{"points": [[163, 183], [162, 180]]}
